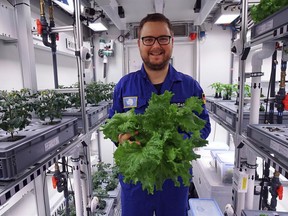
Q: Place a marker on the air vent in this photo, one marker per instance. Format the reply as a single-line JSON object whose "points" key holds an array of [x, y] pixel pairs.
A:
{"points": [[180, 30]]}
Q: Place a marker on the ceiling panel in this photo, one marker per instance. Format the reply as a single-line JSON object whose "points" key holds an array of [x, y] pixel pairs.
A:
{"points": [[179, 10]]}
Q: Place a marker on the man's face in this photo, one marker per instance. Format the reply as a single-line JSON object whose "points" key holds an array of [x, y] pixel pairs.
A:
{"points": [[156, 56]]}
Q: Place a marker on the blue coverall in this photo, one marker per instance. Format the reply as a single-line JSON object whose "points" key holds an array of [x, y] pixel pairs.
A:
{"points": [[135, 90]]}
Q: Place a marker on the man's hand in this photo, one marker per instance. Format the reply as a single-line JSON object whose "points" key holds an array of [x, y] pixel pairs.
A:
{"points": [[127, 137]]}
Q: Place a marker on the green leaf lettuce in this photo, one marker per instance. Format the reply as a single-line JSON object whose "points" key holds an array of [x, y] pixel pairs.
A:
{"points": [[167, 135]]}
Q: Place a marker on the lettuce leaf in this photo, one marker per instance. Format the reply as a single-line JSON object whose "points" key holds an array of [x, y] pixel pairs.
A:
{"points": [[167, 135]]}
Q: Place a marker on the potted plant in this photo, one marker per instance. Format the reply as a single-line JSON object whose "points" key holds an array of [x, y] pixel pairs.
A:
{"points": [[227, 91], [218, 89], [247, 90], [105, 179], [266, 8], [49, 106], [99, 91], [15, 111], [74, 100]]}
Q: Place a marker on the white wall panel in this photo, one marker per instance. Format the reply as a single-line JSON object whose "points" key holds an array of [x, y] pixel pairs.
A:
{"points": [[10, 69], [215, 58]]}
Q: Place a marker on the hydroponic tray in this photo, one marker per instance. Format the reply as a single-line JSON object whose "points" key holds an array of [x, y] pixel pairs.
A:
{"points": [[273, 137], [227, 112], [96, 114], [39, 141], [259, 212], [273, 27], [210, 103]]}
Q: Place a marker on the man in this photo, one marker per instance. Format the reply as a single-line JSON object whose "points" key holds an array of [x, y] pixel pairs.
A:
{"points": [[134, 90]]}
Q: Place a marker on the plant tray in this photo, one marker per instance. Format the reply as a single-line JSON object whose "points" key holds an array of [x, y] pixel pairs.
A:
{"points": [[227, 112], [39, 141], [115, 194], [96, 114], [274, 137], [210, 103], [271, 25], [259, 212], [109, 209]]}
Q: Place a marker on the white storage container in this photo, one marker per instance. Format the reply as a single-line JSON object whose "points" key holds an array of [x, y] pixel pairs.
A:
{"points": [[204, 207], [225, 165], [208, 184]]}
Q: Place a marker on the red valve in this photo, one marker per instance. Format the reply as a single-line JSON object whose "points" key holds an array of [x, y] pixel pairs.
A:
{"points": [[285, 102], [39, 27], [280, 192]]}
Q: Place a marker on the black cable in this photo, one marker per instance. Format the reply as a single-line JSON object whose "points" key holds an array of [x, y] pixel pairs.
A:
{"points": [[21, 4]]}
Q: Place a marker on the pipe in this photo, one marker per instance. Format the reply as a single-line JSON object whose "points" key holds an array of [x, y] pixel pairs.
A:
{"points": [[272, 87], [257, 61], [53, 44], [77, 183]]}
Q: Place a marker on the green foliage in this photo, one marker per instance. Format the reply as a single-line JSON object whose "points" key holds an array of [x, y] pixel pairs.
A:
{"points": [[163, 152], [227, 91], [266, 8], [15, 109], [99, 91], [247, 91], [107, 175], [50, 104], [104, 180], [217, 86], [74, 99]]}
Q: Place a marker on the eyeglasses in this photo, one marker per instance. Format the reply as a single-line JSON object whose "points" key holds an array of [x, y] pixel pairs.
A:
{"points": [[162, 40]]}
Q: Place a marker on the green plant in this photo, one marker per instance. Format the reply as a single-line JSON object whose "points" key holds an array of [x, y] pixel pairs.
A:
{"points": [[99, 91], [73, 98], [247, 90], [266, 8], [163, 153], [218, 89], [103, 180], [49, 105], [228, 90], [15, 110]]}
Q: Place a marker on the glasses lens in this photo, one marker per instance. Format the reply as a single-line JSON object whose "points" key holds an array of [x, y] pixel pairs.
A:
{"points": [[148, 40], [164, 40]]}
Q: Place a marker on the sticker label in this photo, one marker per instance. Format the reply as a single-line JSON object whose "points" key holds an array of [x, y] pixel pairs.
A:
{"points": [[130, 102]]}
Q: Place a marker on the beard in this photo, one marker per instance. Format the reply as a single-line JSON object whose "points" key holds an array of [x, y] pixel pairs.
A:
{"points": [[156, 66]]}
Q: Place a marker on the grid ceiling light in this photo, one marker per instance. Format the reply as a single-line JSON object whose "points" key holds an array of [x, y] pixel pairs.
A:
{"points": [[227, 14], [98, 25]]}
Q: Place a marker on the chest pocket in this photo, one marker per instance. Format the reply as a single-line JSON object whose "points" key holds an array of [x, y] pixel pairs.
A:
{"points": [[139, 104]]}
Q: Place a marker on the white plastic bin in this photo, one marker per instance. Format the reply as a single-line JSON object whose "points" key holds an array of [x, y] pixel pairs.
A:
{"points": [[225, 165], [204, 207]]}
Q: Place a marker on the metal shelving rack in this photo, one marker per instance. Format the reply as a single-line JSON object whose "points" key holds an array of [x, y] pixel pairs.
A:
{"points": [[10, 188], [272, 29]]}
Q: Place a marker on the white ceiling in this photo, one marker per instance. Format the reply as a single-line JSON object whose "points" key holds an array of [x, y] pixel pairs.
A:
{"points": [[175, 10]]}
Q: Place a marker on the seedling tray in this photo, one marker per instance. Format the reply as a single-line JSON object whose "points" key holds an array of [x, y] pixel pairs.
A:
{"points": [[276, 21], [39, 141], [227, 112], [273, 137], [96, 114], [210, 103]]}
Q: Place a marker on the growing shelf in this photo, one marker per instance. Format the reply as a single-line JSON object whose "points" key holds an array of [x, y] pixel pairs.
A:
{"points": [[38, 141], [273, 28]]}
